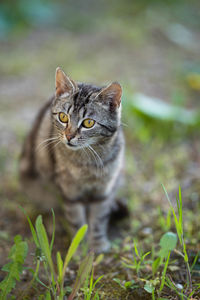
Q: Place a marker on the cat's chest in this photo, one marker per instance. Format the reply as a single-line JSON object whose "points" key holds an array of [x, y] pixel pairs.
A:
{"points": [[77, 177], [76, 181], [77, 174], [78, 168]]}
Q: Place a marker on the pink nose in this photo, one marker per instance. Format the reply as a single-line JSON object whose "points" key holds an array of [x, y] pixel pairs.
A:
{"points": [[69, 137]]}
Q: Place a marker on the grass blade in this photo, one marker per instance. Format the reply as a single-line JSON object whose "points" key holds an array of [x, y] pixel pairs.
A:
{"points": [[44, 242], [73, 247], [177, 224], [135, 248], [53, 233], [164, 272], [32, 228], [91, 284], [83, 272], [59, 266], [98, 279], [180, 208]]}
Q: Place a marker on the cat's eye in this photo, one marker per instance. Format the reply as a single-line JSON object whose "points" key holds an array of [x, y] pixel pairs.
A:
{"points": [[88, 123], [63, 117]]}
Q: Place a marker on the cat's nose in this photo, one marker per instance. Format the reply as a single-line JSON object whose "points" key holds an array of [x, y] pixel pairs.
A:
{"points": [[69, 137]]}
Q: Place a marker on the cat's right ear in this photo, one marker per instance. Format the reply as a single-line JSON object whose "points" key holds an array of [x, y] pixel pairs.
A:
{"points": [[64, 85], [111, 95]]}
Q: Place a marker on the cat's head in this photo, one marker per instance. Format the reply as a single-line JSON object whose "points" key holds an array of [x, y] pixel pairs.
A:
{"points": [[84, 114]]}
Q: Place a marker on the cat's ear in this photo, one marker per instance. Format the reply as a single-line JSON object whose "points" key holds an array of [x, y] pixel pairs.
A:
{"points": [[111, 95], [64, 85]]}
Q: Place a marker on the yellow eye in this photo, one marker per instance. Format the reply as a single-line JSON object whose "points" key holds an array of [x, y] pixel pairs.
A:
{"points": [[88, 123], [63, 117]]}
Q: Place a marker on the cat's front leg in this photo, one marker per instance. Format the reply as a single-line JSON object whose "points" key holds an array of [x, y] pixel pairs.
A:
{"points": [[98, 224], [75, 215]]}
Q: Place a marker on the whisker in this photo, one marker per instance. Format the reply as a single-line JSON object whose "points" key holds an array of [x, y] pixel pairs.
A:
{"points": [[85, 151], [52, 146], [100, 160], [46, 145], [94, 158], [100, 165], [47, 140], [56, 144]]}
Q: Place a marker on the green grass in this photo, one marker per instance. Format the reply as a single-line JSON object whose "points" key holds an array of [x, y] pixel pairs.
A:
{"points": [[14, 268], [158, 278], [55, 273], [150, 270]]}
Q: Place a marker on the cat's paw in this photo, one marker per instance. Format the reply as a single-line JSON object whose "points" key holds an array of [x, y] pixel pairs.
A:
{"points": [[100, 246]]}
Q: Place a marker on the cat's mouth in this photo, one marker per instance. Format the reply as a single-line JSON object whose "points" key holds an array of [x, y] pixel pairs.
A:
{"points": [[71, 145]]}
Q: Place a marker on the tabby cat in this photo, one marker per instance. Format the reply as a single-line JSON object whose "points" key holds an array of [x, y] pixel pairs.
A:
{"points": [[77, 143]]}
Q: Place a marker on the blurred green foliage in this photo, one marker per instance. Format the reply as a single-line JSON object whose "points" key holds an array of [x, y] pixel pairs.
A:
{"points": [[19, 15]]}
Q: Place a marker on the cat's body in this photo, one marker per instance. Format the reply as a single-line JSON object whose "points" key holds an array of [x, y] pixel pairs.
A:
{"points": [[84, 162]]}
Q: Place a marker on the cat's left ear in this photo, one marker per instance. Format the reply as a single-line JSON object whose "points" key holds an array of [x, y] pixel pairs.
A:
{"points": [[64, 85], [111, 95]]}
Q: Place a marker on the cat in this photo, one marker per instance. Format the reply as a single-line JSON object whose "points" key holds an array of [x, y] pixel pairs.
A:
{"points": [[83, 154]]}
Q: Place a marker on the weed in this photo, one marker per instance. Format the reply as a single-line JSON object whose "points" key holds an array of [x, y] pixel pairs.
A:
{"points": [[15, 267], [138, 259], [179, 228], [55, 274], [161, 259], [167, 243], [125, 284], [89, 287]]}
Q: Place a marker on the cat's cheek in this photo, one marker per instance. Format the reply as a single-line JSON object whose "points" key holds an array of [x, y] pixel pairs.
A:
{"points": [[64, 141]]}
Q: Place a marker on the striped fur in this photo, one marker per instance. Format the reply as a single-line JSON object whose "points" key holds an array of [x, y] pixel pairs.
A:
{"points": [[86, 168]]}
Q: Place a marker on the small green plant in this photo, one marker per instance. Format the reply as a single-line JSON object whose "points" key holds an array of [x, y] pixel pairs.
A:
{"points": [[138, 259], [15, 267], [83, 272], [88, 288], [161, 259], [167, 243], [150, 286], [179, 228], [125, 284], [55, 274]]}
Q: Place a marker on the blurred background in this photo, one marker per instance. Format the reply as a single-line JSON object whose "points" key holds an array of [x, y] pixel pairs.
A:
{"points": [[151, 47]]}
